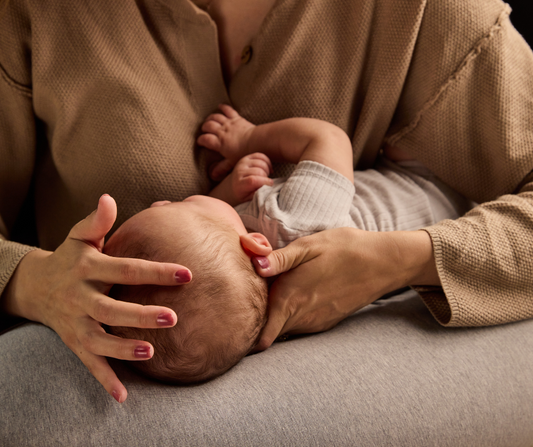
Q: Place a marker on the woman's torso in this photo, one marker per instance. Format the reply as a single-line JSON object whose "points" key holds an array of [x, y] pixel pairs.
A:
{"points": [[120, 90]]}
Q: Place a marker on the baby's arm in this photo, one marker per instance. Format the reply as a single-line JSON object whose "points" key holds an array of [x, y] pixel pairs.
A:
{"points": [[290, 140]]}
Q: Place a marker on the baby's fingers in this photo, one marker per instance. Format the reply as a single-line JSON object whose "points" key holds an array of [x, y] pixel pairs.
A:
{"points": [[211, 127], [218, 117], [210, 141], [258, 160], [139, 271], [229, 111]]}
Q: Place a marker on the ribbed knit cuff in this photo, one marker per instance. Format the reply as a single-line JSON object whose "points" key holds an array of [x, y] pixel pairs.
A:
{"points": [[434, 297]]}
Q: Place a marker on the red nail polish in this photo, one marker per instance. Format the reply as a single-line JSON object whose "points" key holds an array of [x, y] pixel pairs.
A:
{"points": [[165, 319], [142, 352], [116, 396], [262, 261], [182, 276]]}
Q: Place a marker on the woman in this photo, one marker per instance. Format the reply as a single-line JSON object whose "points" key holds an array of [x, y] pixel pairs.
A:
{"points": [[106, 98]]}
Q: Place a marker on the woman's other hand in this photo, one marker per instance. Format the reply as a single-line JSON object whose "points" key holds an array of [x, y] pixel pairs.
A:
{"points": [[67, 291], [328, 276]]}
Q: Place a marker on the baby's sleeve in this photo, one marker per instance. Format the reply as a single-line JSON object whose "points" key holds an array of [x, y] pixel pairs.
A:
{"points": [[312, 199]]}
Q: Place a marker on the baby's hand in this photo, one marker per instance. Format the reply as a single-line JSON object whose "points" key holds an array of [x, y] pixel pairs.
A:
{"points": [[226, 133], [250, 173]]}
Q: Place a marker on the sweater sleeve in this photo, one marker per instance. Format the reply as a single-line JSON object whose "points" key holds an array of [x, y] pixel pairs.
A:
{"points": [[478, 123], [17, 136], [312, 199]]}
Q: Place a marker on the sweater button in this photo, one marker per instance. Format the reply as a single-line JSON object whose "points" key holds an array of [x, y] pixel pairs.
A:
{"points": [[246, 54]]}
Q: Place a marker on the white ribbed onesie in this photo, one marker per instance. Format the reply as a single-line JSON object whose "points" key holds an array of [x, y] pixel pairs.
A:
{"points": [[392, 196]]}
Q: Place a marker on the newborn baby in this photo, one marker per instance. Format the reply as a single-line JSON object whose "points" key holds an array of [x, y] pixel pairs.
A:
{"points": [[220, 312]]}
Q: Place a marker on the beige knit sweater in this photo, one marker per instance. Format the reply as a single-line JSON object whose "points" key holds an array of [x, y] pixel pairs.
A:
{"points": [[101, 96]]}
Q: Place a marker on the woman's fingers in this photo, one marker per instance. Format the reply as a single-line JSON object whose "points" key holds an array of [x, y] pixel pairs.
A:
{"points": [[102, 372], [122, 313], [66, 291], [303, 300], [96, 364], [96, 340], [278, 315], [132, 271]]}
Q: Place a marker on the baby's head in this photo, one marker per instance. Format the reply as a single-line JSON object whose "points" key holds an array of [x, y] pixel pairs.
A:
{"points": [[220, 312]]}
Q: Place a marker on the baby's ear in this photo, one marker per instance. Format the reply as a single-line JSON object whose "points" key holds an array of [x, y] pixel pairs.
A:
{"points": [[255, 244]]}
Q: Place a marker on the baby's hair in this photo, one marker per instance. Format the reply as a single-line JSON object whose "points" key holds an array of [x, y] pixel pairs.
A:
{"points": [[220, 313]]}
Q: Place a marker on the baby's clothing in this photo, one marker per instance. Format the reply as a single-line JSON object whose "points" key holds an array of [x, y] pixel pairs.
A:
{"points": [[392, 196]]}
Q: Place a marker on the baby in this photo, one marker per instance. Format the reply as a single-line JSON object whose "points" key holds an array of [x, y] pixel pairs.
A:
{"points": [[222, 311]]}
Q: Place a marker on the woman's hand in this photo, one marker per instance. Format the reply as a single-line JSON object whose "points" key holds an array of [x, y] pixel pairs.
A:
{"points": [[67, 291], [334, 273]]}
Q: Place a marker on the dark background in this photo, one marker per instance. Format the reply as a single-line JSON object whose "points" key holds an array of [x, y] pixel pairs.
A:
{"points": [[522, 18]]}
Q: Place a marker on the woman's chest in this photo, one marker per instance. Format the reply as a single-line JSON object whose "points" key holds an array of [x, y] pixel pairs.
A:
{"points": [[238, 22]]}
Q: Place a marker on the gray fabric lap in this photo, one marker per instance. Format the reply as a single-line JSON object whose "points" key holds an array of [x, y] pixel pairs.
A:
{"points": [[389, 375]]}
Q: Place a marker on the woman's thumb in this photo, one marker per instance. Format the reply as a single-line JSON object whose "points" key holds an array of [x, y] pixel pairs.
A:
{"points": [[282, 260], [96, 225]]}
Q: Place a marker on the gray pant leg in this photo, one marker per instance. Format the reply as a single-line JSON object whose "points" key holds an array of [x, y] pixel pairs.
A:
{"points": [[387, 376]]}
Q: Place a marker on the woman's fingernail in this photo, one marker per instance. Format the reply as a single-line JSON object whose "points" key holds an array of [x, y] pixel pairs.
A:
{"points": [[143, 352], [165, 319], [262, 261], [182, 276], [117, 397]]}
